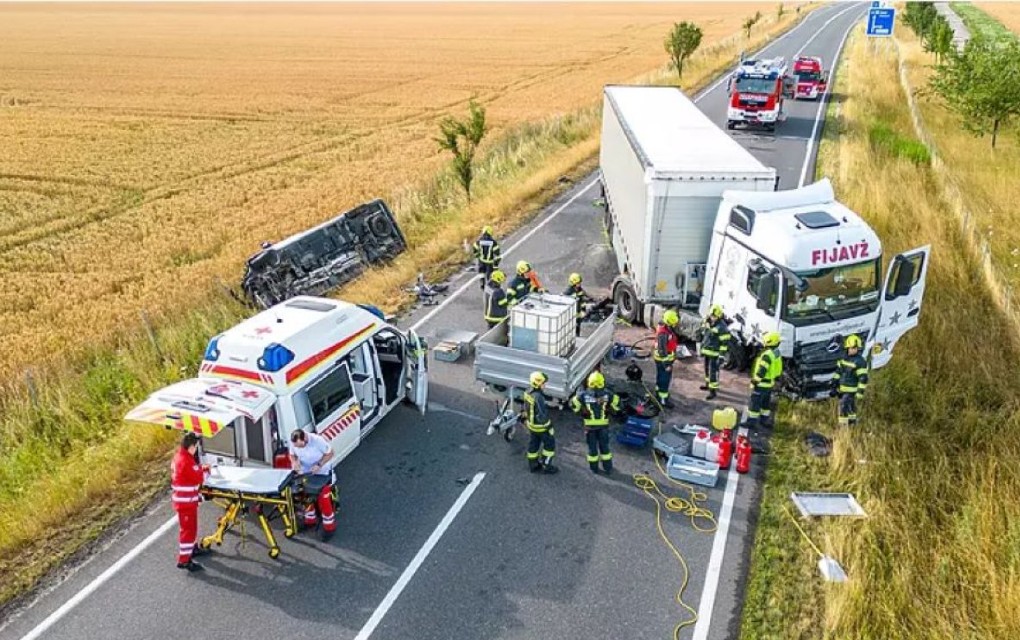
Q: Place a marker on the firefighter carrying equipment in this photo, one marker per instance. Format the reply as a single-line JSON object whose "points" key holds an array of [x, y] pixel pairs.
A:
{"points": [[593, 404], [268, 493]]}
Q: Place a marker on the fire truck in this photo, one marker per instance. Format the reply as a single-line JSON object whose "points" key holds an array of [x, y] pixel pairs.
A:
{"points": [[757, 90], [811, 79]]}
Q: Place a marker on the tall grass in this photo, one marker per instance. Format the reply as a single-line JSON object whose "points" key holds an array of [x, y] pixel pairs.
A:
{"points": [[932, 463], [67, 458]]}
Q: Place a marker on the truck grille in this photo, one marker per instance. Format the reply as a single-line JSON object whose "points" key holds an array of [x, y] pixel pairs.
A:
{"points": [[816, 359]]}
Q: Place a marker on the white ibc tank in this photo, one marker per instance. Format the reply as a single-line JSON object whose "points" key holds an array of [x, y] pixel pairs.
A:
{"points": [[543, 323]]}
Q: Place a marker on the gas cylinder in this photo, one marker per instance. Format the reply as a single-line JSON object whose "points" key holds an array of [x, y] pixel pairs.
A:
{"points": [[743, 454], [712, 448], [698, 445], [725, 450], [281, 459]]}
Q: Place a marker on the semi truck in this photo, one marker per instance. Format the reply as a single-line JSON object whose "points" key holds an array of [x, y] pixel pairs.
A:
{"points": [[695, 220]]}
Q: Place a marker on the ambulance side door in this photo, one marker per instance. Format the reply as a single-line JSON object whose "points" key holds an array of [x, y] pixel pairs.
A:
{"points": [[335, 409]]}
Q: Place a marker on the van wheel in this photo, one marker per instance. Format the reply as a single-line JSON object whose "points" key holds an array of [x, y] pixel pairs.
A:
{"points": [[380, 226], [627, 303]]}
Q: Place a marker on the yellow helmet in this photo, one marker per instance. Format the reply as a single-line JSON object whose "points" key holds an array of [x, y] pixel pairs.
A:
{"points": [[523, 267], [575, 278], [716, 311], [596, 380], [852, 342], [671, 318], [498, 277], [538, 379], [771, 339], [487, 230]]}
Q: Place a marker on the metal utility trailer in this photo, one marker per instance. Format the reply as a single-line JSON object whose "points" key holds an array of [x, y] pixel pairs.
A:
{"points": [[505, 368]]}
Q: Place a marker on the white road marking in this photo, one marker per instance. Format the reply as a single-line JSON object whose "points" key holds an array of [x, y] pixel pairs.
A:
{"points": [[718, 553], [418, 559], [51, 619]]}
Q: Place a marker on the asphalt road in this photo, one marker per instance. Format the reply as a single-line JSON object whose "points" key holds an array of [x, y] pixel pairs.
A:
{"points": [[527, 556]]}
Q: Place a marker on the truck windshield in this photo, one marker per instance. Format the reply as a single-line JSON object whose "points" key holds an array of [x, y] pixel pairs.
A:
{"points": [[824, 293], [755, 85], [808, 76]]}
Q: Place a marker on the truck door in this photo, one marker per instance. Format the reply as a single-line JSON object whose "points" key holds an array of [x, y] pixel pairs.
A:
{"points": [[417, 371], [900, 308]]}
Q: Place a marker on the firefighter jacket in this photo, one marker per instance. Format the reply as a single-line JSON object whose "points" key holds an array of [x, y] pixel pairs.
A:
{"points": [[578, 293], [496, 303], [594, 405], [851, 374], [767, 369], [186, 478], [716, 340], [487, 250], [521, 286], [666, 342], [536, 410]]}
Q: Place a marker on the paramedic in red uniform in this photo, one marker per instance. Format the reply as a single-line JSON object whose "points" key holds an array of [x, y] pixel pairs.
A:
{"points": [[309, 453], [186, 476]]}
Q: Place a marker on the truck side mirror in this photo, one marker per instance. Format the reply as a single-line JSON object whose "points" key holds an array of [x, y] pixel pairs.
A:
{"points": [[789, 86]]}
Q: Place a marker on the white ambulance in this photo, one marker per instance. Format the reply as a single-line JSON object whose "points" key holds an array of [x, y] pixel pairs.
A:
{"points": [[321, 365]]}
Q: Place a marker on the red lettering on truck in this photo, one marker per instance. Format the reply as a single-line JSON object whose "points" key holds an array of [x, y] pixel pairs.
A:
{"points": [[833, 255]]}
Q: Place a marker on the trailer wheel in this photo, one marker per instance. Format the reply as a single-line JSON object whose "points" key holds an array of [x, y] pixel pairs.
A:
{"points": [[627, 303]]}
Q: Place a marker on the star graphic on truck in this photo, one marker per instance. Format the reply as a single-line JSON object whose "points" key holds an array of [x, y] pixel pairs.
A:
{"points": [[895, 318]]}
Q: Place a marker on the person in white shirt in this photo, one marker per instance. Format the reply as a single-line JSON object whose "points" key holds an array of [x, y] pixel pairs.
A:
{"points": [[310, 454]]}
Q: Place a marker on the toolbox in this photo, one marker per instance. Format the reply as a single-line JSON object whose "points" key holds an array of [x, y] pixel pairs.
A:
{"points": [[447, 351], [693, 470], [669, 444], [635, 432], [452, 345]]}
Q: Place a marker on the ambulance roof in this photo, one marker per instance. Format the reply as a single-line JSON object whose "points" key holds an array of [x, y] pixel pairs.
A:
{"points": [[802, 229], [314, 331]]}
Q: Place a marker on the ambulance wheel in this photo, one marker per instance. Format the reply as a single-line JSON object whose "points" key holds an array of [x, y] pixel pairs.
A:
{"points": [[288, 533], [274, 553]]}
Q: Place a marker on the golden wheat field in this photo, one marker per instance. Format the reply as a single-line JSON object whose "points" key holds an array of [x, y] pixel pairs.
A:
{"points": [[148, 149], [1008, 13]]}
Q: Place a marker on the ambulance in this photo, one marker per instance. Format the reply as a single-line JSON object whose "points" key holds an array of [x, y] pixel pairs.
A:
{"points": [[325, 366]]}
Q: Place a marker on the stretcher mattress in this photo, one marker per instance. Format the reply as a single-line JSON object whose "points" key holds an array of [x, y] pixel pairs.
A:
{"points": [[248, 480]]}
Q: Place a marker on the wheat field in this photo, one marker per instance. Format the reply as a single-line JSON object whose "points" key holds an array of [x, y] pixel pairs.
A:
{"points": [[1008, 13], [148, 149]]}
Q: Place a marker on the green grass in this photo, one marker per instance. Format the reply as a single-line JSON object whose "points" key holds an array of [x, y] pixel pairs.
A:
{"points": [[980, 23]]}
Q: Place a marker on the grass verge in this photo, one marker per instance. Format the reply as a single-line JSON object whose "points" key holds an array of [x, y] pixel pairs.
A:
{"points": [[71, 424], [939, 554], [980, 23]]}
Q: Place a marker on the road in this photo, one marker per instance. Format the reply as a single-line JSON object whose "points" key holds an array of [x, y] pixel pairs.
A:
{"points": [[525, 555]]}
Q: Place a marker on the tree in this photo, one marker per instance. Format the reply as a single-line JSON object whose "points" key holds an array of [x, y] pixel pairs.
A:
{"points": [[461, 138], [682, 41], [750, 22], [921, 18], [941, 41], [981, 85], [780, 11]]}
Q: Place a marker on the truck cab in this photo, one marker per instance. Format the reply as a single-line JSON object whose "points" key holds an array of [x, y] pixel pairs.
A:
{"points": [[325, 366], [757, 90], [811, 78], [801, 263]]}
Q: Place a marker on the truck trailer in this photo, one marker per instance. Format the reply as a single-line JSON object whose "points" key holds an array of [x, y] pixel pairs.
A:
{"points": [[695, 220]]}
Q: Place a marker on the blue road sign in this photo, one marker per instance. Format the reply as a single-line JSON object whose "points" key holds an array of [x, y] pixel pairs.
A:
{"points": [[880, 22]]}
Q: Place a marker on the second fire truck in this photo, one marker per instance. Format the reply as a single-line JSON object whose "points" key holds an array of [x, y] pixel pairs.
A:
{"points": [[811, 78]]}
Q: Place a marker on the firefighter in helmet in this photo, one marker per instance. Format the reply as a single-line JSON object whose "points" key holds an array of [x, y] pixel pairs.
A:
{"points": [[667, 339], [542, 441], [768, 366], [594, 404], [497, 301], [850, 380], [524, 283], [577, 292], [488, 253], [715, 343]]}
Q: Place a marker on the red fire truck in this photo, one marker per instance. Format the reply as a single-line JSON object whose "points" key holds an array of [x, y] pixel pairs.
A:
{"points": [[757, 90], [811, 79]]}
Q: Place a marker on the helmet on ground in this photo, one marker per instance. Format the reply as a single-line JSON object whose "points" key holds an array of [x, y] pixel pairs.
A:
{"points": [[596, 380], [486, 230], [671, 318], [716, 311], [498, 277], [852, 342], [537, 378], [771, 339], [523, 267], [575, 278]]}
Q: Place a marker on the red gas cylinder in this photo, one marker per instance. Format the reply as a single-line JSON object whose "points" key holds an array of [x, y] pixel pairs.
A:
{"points": [[281, 460], [725, 451], [743, 454]]}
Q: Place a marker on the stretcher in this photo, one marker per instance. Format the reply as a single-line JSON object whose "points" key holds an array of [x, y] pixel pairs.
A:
{"points": [[268, 493]]}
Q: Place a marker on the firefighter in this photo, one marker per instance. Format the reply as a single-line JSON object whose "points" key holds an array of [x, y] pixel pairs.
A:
{"points": [[715, 343], [542, 444], [524, 283], [497, 301], [594, 404], [488, 254], [850, 380], [666, 342], [186, 477], [767, 369], [578, 293], [310, 455]]}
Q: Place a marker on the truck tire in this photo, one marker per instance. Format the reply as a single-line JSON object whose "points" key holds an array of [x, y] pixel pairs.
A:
{"points": [[737, 357], [627, 304]]}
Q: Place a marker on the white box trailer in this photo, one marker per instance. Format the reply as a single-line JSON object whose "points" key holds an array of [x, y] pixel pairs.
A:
{"points": [[665, 166]]}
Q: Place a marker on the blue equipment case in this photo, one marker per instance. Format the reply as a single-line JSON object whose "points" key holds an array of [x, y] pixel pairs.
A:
{"points": [[635, 432]]}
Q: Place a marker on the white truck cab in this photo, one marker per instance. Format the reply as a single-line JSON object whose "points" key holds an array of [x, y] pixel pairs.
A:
{"points": [[801, 263], [325, 366]]}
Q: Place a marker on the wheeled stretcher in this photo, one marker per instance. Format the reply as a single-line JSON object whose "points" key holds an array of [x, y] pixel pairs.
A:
{"points": [[268, 493]]}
